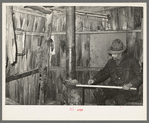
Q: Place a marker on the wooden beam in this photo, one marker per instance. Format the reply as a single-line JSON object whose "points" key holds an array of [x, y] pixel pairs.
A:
{"points": [[93, 13], [58, 33], [20, 32], [97, 32], [40, 8], [107, 32], [110, 8], [22, 75], [26, 11], [92, 19], [78, 12], [57, 8]]}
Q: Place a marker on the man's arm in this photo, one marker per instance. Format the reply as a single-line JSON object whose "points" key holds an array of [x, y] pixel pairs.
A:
{"points": [[102, 75]]}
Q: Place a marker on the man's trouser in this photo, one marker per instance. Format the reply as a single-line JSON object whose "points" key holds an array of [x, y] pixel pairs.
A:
{"points": [[121, 97]]}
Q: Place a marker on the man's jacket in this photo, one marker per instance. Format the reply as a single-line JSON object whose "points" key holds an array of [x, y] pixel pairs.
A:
{"points": [[128, 71]]}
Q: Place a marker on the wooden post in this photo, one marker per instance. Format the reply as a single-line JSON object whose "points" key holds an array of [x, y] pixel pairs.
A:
{"points": [[73, 94], [70, 50], [130, 37]]}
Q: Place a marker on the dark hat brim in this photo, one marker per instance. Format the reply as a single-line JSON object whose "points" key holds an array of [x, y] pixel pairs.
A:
{"points": [[116, 52]]}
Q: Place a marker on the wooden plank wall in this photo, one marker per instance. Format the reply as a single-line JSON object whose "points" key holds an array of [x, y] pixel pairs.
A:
{"points": [[56, 90], [25, 91]]}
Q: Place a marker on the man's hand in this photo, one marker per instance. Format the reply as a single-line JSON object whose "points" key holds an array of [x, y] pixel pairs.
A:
{"points": [[90, 81], [127, 86]]}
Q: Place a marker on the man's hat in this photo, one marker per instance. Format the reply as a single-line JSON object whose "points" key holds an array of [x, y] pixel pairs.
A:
{"points": [[117, 47]]}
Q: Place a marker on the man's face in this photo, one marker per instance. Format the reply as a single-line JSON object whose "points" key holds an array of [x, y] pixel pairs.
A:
{"points": [[116, 56]]}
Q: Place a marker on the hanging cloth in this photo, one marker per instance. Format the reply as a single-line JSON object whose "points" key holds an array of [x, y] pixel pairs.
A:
{"points": [[10, 36]]}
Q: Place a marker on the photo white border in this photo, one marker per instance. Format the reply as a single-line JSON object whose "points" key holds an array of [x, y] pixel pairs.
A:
{"points": [[42, 112]]}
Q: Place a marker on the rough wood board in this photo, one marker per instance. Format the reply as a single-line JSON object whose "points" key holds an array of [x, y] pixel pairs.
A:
{"points": [[19, 43], [16, 91], [32, 90], [85, 47], [17, 22], [99, 45], [31, 19], [29, 89], [27, 44], [62, 47], [134, 45], [55, 61], [40, 24], [21, 92], [123, 18], [24, 20], [78, 50], [34, 43], [25, 91]]}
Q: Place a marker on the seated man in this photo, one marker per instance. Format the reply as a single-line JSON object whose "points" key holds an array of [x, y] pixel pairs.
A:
{"points": [[123, 70]]}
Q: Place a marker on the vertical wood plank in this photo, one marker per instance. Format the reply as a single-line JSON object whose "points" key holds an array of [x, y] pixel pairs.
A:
{"points": [[130, 40], [37, 87], [53, 92], [85, 59], [130, 18], [17, 22], [21, 90], [55, 60], [40, 24], [62, 47], [25, 91], [138, 15], [29, 90], [122, 18], [30, 22], [114, 19], [7, 90], [12, 90], [78, 50], [57, 85], [48, 87], [27, 44], [24, 21], [33, 89], [16, 91], [79, 28]]}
